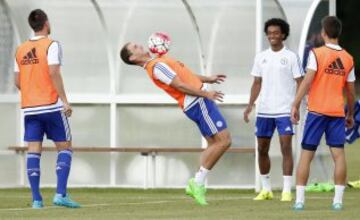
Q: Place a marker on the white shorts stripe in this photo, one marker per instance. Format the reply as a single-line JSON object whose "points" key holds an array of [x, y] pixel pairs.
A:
{"points": [[209, 120], [66, 126], [33, 156], [207, 117], [64, 123], [272, 116]]}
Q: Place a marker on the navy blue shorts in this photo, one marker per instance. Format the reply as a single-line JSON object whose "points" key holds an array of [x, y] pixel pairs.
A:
{"points": [[54, 124], [265, 127], [207, 116], [317, 124]]}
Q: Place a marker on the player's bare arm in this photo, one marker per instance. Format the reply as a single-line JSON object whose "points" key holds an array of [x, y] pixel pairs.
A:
{"points": [[54, 71], [254, 94], [17, 80], [298, 82], [189, 90], [216, 78], [350, 96], [301, 91]]}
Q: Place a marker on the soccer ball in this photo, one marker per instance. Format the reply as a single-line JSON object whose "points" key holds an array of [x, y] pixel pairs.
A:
{"points": [[159, 43]]}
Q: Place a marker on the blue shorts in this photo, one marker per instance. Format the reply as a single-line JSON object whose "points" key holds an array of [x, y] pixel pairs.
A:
{"points": [[317, 124], [54, 124], [207, 116], [265, 127]]}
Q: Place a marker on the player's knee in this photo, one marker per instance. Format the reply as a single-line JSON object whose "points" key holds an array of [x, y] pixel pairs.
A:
{"points": [[339, 157], [263, 151], [34, 147], [286, 151], [337, 153], [226, 140], [226, 143], [65, 145]]}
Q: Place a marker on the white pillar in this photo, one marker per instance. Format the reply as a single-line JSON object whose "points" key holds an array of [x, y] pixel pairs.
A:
{"points": [[113, 155], [258, 48], [153, 170], [332, 7]]}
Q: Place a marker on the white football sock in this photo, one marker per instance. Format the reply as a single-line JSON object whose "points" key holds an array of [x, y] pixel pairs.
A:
{"points": [[265, 181], [300, 194], [200, 176], [287, 184], [339, 192]]}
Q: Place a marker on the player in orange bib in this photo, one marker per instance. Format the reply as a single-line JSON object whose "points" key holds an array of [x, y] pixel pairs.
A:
{"points": [[45, 106], [198, 104], [330, 71]]}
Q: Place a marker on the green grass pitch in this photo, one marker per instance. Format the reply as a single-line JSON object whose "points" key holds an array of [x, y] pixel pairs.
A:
{"points": [[103, 204], [173, 204]]}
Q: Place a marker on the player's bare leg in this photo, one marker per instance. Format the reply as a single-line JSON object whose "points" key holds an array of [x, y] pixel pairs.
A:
{"points": [[35, 147], [303, 168], [287, 165], [63, 145], [264, 159], [264, 167], [338, 156], [217, 145], [302, 175], [286, 150]]}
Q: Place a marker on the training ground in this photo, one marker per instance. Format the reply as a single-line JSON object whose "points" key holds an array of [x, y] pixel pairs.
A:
{"points": [[103, 204]]}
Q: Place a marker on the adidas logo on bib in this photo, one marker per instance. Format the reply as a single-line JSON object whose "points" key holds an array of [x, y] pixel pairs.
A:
{"points": [[336, 67], [30, 58]]}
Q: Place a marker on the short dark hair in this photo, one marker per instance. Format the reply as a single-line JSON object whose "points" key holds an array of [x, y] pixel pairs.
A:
{"points": [[284, 26], [332, 26], [37, 19], [125, 54]]}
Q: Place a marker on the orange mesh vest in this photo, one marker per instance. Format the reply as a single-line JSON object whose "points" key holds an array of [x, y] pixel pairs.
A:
{"points": [[184, 73], [36, 86], [326, 90]]}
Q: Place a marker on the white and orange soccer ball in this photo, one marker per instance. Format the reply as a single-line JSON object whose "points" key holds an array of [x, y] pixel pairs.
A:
{"points": [[159, 43]]}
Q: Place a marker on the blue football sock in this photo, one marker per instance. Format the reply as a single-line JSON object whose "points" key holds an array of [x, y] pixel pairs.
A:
{"points": [[63, 165], [33, 172]]}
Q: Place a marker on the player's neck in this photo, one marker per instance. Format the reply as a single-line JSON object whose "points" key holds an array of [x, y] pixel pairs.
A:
{"points": [[143, 61], [41, 33], [332, 41], [277, 47]]}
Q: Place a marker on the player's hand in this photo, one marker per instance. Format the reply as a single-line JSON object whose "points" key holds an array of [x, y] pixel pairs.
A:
{"points": [[247, 112], [295, 117], [215, 96], [219, 78], [67, 110], [349, 121]]}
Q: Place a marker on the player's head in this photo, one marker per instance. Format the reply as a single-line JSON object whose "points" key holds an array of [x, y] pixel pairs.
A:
{"points": [[133, 54], [38, 21], [276, 30], [331, 27]]}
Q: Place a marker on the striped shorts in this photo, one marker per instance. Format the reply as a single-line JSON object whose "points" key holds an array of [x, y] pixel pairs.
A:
{"points": [[207, 116], [54, 124]]}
